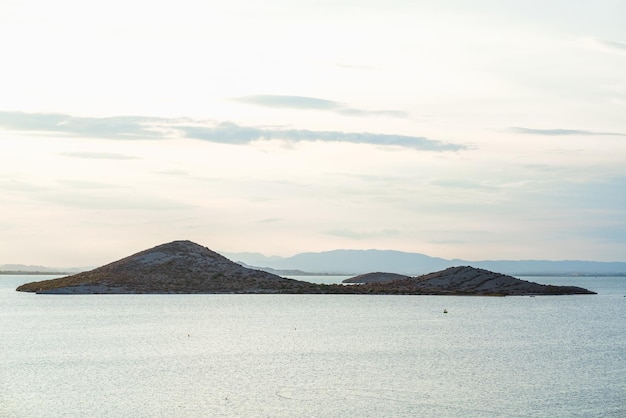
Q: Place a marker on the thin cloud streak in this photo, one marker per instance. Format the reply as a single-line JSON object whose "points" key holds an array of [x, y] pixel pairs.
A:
{"points": [[88, 185], [619, 46], [270, 220], [99, 155], [228, 132], [560, 132], [356, 66], [115, 202], [295, 102], [135, 128], [118, 127], [173, 172], [462, 184], [314, 103], [348, 233], [607, 46]]}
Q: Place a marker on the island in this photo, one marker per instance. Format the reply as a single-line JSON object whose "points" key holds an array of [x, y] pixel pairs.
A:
{"points": [[184, 267], [461, 280]]}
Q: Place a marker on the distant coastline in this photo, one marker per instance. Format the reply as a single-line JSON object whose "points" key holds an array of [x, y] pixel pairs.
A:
{"points": [[617, 274], [32, 273]]}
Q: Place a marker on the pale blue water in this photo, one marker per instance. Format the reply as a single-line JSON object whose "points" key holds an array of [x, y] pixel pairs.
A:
{"points": [[313, 355]]}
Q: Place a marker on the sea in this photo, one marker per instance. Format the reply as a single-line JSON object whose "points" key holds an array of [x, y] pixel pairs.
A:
{"points": [[314, 355]]}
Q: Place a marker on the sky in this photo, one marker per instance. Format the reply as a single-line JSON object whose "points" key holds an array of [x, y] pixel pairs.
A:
{"points": [[476, 129]]}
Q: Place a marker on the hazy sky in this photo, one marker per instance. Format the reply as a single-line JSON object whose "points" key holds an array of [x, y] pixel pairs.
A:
{"points": [[460, 129]]}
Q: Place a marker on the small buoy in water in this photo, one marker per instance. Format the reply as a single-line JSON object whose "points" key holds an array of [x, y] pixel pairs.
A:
{"points": [[445, 311]]}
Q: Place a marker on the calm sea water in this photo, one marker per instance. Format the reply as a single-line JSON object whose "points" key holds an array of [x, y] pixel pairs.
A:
{"points": [[313, 355]]}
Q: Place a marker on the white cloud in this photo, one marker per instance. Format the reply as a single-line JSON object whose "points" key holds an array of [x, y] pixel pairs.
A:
{"points": [[561, 132], [231, 133], [136, 128], [606, 46], [99, 155], [313, 103], [360, 235]]}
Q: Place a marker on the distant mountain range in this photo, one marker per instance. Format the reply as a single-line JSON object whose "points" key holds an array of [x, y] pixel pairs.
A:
{"points": [[352, 262], [28, 269]]}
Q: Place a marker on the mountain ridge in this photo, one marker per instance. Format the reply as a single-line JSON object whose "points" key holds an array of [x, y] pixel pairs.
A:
{"points": [[353, 262], [37, 269]]}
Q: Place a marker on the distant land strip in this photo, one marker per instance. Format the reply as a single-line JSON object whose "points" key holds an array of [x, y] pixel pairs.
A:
{"points": [[33, 273]]}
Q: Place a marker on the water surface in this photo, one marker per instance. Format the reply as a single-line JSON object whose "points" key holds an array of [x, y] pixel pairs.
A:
{"points": [[313, 355]]}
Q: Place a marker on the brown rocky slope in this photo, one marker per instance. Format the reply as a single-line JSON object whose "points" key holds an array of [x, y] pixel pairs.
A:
{"points": [[463, 280], [176, 267]]}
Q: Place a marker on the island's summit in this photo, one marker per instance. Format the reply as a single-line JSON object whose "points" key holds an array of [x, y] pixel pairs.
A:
{"points": [[186, 267], [175, 267]]}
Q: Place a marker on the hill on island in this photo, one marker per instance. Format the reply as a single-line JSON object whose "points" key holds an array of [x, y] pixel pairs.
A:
{"points": [[175, 267], [462, 280], [186, 267]]}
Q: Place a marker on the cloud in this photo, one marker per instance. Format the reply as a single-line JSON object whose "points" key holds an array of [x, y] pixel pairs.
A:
{"points": [[356, 66], [616, 46], [99, 155], [12, 185], [460, 184], [294, 102], [173, 172], [228, 132], [607, 46], [303, 102], [82, 184], [560, 132], [270, 220], [118, 127], [349, 111], [115, 201], [135, 127], [348, 233], [611, 234], [448, 241]]}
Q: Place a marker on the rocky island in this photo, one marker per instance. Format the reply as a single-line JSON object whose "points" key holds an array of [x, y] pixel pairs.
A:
{"points": [[175, 267], [185, 267], [462, 280]]}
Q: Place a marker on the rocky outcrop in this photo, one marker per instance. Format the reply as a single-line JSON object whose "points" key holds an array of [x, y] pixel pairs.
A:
{"points": [[463, 280], [377, 277]]}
